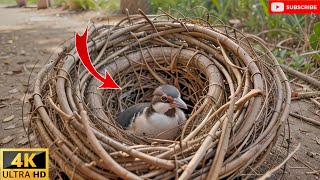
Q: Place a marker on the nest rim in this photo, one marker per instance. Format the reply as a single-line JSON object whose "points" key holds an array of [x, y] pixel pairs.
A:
{"points": [[72, 98]]}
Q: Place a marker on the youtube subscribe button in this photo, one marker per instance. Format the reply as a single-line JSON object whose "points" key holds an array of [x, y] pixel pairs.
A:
{"points": [[294, 7]]}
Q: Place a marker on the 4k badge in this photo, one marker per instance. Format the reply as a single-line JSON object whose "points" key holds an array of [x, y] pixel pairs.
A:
{"points": [[30, 163]]}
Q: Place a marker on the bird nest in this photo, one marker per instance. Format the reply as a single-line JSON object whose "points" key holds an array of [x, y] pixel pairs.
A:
{"points": [[238, 98]]}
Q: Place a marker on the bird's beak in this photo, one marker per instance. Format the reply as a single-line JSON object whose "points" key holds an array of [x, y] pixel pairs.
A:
{"points": [[178, 102]]}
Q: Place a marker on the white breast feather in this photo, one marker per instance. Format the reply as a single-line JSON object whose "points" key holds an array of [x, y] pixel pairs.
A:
{"points": [[161, 107], [158, 125]]}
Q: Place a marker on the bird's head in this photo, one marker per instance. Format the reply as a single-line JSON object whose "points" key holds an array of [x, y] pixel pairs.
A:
{"points": [[167, 97]]}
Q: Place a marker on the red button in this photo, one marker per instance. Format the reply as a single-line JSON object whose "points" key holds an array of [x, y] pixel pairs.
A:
{"points": [[294, 7]]}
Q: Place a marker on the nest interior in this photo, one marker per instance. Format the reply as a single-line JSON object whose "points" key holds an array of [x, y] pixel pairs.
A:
{"points": [[238, 99]]}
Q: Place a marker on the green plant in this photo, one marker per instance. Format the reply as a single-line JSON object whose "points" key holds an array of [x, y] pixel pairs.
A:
{"points": [[81, 4], [314, 40], [31, 1], [280, 55], [7, 1], [58, 3], [181, 8], [110, 6], [14, 1], [165, 5], [299, 62], [253, 14], [296, 61], [254, 17]]}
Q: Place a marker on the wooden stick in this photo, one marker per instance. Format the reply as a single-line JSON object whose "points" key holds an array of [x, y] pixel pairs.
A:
{"points": [[315, 102], [306, 164], [314, 172], [305, 118], [269, 173], [300, 95], [301, 76]]}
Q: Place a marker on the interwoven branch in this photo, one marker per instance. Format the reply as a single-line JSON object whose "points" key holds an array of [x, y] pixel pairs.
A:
{"points": [[237, 94]]}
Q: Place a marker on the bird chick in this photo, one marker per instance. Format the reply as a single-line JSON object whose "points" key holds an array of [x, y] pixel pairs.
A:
{"points": [[159, 119]]}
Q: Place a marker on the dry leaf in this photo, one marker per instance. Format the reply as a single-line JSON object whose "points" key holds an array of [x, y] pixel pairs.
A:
{"points": [[4, 57], [10, 127], [7, 119], [7, 73], [26, 98], [13, 102], [7, 62], [4, 99], [23, 53], [32, 66], [32, 137], [13, 91], [17, 71], [311, 154], [23, 141], [2, 106], [7, 139]]}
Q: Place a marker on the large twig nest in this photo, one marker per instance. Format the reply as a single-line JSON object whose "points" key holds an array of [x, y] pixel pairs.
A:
{"points": [[238, 96]]}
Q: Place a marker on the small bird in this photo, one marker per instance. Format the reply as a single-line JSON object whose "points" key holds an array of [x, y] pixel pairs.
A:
{"points": [[159, 119]]}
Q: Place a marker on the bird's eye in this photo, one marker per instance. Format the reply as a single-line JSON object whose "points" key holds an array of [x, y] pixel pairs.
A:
{"points": [[164, 98]]}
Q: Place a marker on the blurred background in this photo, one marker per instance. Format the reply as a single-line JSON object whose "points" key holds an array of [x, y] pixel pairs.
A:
{"points": [[289, 36]]}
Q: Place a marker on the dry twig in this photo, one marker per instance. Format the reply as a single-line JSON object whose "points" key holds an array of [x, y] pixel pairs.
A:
{"points": [[269, 173], [305, 118], [229, 85]]}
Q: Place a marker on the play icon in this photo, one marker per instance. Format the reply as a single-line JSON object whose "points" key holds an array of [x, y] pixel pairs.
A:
{"points": [[277, 6]]}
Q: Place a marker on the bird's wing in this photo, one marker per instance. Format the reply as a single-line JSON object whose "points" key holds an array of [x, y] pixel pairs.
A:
{"points": [[125, 117]]}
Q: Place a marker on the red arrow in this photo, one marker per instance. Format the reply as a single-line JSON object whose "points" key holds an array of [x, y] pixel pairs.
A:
{"points": [[82, 49]]}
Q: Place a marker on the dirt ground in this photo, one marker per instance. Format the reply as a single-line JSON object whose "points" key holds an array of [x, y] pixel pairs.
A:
{"points": [[28, 35]]}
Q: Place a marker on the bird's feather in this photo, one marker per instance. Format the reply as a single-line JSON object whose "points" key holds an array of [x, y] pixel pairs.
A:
{"points": [[125, 117]]}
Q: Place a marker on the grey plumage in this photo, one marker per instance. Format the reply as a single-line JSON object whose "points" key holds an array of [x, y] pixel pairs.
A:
{"points": [[126, 117], [170, 91], [159, 119]]}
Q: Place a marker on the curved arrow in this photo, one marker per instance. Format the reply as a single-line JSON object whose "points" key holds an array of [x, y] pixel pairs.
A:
{"points": [[82, 49]]}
